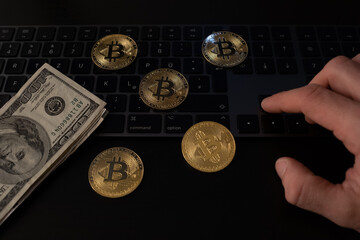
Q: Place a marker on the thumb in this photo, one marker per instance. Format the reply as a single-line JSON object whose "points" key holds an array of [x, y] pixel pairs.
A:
{"points": [[308, 191]]}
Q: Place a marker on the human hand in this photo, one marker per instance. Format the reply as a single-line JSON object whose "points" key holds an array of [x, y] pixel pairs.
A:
{"points": [[331, 99]]}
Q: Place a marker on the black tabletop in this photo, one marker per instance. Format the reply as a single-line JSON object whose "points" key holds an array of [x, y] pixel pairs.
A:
{"points": [[174, 201]]}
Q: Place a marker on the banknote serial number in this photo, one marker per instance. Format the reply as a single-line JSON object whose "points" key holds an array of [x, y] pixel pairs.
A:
{"points": [[77, 105]]}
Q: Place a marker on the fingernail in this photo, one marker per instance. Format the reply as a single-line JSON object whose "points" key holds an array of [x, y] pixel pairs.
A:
{"points": [[281, 166]]}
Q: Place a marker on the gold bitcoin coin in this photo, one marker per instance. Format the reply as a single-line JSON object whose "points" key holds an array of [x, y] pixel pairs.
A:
{"points": [[114, 52], [116, 172], [163, 89], [224, 49], [208, 146]]}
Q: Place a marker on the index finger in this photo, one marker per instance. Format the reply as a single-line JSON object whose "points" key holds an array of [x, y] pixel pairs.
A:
{"points": [[325, 107]]}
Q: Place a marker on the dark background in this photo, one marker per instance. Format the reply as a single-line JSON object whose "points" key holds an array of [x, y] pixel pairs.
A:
{"points": [[174, 201]]}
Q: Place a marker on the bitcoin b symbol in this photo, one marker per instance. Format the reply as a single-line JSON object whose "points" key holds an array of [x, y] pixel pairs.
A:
{"points": [[120, 170], [227, 46], [168, 88], [113, 51], [209, 147]]}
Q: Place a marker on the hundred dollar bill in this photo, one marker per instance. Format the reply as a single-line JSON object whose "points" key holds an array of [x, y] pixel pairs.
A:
{"points": [[40, 127]]}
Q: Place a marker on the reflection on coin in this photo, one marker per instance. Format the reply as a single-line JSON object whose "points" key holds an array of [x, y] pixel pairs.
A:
{"points": [[163, 89], [224, 49], [116, 172], [114, 52], [208, 146]]}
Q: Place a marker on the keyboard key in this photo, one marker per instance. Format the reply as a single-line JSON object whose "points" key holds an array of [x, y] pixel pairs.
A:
{"points": [[61, 64], [205, 103], [112, 124], [3, 99], [173, 63], [30, 50], [52, 49], [6, 34], [35, 64], [211, 29], [313, 65], [193, 65], [9, 49], [348, 34], [144, 123], [193, 33], [310, 49], [15, 66], [171, 33], [296, 123], [327, 34], [2, 63], [281, 33], [106, 84], [262, 49], [260, 33], [199, 83], [81, 66], [175, 123], [219, 81], [272, 123], [148, 64], [133, 32], [73, 49], [86, 82], [284, 49], [107, 31], [66, 34], [137, 105], [222, 119], [143, 49], [150, 33], [351, 49], [331, 49], [45, 34], [306, 33], [2, 80], [129, 83], [244, 68], [14, 83], [25, 34], [160, 49], [182, 49], [116, 102], [264, 66], [242, 31], [87, 33], [286, 66], [248, 124]]}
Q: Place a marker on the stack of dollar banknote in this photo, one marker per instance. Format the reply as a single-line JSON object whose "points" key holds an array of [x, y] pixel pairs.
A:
{"points": [[40, 126]]}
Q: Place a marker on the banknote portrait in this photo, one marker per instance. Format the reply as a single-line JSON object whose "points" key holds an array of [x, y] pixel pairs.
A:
{"points": [[24, 148]]}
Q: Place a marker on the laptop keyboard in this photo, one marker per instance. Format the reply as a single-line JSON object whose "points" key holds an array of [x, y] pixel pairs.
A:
{"points": [[280, 58]]}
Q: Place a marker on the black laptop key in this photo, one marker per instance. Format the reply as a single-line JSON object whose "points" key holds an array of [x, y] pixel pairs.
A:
{"points": [[4, 98], [171, 33], [150, 33], [296, 123], [86, 82], [15, 66], [34, 64], [222, 119], [129, 83], [6, 34], [219, 81], [351, 49], [30, 50], [327, 33], [160, 49], [244, 68], [193, 33], [2, 80], [182, 49], [9, 49], [262, 49], [313, 65], [25, 34], [331, 49], [81, 66], [116, 102], [281, 33], [265, 66], [45, 34], [248, 124], [66, 34], [73, 49], [199, 83], [286, 66], [272, 123], [260, 33], [211, 29], [173, 63], [148, 64], [130, 31], [104, 31], [306, 33], [193, 65], [87, 33], [175, 123], [137, 105], [61, 64], [14, 83], [284, 49], [106, 83], [205, 103], [2, 63], [310, 49], [242, 31], [113, 123], [52, 49], [348, 34], [144, 123]]}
